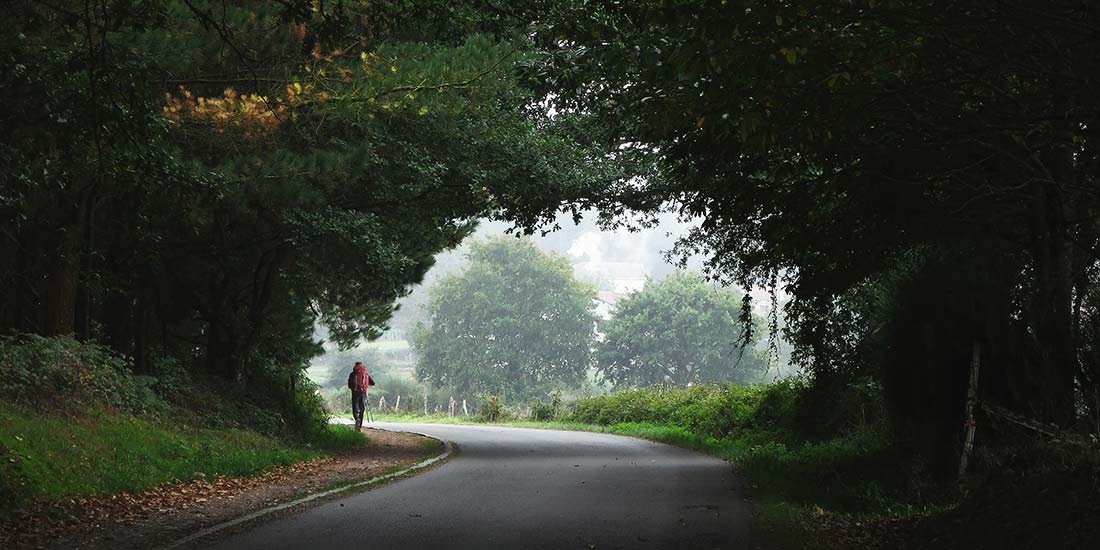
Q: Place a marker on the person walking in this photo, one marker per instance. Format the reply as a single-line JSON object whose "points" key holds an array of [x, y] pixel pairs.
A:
{"points": [[358, 382]]}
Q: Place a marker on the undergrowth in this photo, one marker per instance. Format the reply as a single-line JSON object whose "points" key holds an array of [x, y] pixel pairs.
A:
{"points": [[75, 420], [49, 457]]}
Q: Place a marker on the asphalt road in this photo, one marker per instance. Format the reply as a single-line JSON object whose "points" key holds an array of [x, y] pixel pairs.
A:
{"points": [[527, 489]]}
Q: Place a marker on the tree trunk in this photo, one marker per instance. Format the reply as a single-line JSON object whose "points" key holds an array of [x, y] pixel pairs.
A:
{"points": [[82, 306], [61, 282], [141, 343], [1052, 304], [117, 327], [221, 352], [971, 425], [21, 291]]}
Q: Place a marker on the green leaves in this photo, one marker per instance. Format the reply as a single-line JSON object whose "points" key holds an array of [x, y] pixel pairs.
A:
{"points": [[303, 162], [680, 330]]}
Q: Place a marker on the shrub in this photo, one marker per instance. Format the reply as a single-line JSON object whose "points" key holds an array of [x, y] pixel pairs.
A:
{"points": [[492, 409], [35, 371], [833, 405], [713, 410], [545, 412], [778, 404]]}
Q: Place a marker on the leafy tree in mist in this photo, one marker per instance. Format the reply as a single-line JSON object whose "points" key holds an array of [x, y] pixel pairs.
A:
{"points": [[679, 330], [515, 322]]}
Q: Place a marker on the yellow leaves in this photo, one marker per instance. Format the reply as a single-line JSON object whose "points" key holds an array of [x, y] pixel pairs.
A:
{"points": [[792, 54], [298, 32], [252, 115], [835, 79], [422, 111]]}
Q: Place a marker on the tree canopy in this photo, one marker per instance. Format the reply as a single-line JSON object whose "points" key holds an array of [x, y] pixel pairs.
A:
{"points": [[920, 176], [515, 323], [201, 182], [680, 330]]}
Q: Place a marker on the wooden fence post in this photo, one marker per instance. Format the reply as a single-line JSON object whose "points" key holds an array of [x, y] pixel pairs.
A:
{"points": [[465, 412], [397, 406]]}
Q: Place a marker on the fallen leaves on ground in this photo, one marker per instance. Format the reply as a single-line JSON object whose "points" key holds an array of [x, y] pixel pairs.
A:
{"points": [[173, 510]]}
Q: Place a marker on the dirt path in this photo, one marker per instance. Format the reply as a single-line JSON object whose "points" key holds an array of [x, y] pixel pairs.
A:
{"points": [[170, 512]]}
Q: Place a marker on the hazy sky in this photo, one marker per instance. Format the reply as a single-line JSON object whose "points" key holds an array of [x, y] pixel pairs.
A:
{"points": [[599, 256]]}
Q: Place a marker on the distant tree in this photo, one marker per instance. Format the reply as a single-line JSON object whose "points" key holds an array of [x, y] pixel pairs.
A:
{"points": [[516, 323], [679, 330]]}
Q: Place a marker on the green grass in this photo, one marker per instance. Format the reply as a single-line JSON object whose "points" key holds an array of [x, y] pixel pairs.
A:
{"points": [[51, 458], [319, 374]]}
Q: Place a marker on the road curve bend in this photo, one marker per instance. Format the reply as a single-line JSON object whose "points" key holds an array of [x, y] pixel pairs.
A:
{"points": [[528, 489]]}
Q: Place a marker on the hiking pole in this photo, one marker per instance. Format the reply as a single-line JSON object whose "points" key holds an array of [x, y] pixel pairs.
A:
{"points": [[370, 415]]}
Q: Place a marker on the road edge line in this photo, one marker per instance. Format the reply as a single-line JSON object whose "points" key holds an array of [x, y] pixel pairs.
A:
{"points": [[448, 450]]}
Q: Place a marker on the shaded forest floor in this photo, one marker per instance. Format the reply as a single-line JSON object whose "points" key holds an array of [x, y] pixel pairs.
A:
{"points": [[1037, 510], [172, 511]]}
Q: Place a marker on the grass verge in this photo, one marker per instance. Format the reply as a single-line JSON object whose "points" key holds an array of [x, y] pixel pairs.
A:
{"points": [[51, 458]]}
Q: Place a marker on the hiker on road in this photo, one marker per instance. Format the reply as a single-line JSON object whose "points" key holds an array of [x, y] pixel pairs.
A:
{"points": [[358, 382]]}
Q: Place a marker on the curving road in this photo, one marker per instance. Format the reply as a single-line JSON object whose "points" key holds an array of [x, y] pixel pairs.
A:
{"points": [[527, 489]]}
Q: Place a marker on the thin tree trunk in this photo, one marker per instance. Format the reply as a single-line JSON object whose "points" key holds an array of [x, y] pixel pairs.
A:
{"points": [[221, 352], [141, 343], [22, 292], [82, 306], [1054, 261], [971, 403], [61, 297]]}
